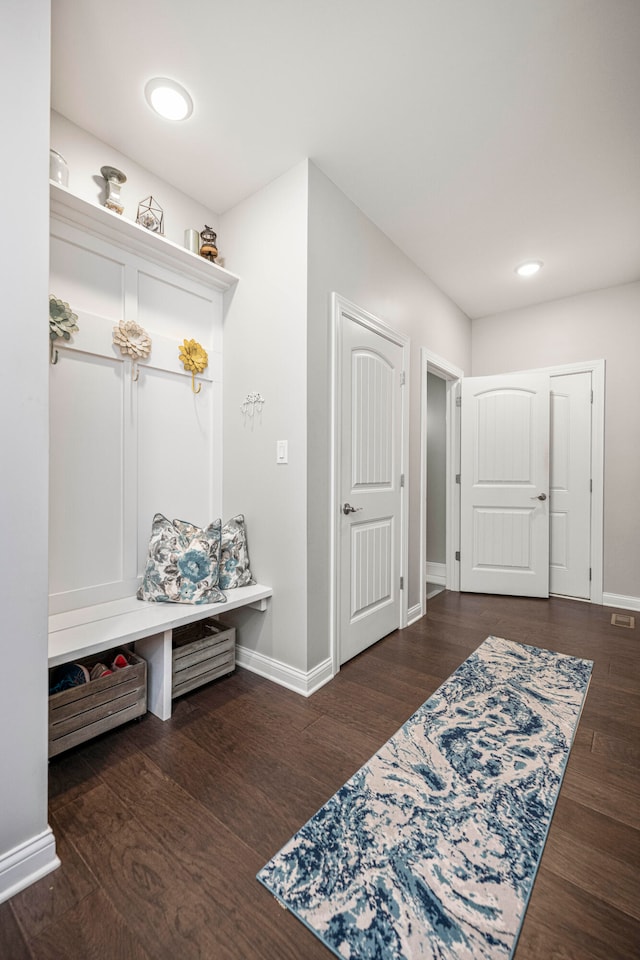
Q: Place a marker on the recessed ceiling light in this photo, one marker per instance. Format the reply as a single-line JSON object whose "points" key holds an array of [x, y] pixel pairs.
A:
{"points": [[528, 268], [168, 98]]}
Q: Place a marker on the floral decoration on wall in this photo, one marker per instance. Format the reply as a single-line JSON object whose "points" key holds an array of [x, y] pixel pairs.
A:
{"points": [[62, 323], [194, 358], [134, 341]]}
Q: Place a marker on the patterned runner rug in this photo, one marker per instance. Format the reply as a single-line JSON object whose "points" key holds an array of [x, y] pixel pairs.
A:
{"points": [[430, 850]]}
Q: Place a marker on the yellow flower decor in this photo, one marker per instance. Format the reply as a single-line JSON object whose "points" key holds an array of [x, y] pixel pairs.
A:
{"points": [[194, 358]]}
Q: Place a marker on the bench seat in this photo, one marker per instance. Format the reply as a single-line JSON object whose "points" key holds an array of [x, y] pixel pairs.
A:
{"points": [[91, 630]]}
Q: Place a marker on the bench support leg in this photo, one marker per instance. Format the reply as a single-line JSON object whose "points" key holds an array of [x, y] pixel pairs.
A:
{"points": [[156, 650]]}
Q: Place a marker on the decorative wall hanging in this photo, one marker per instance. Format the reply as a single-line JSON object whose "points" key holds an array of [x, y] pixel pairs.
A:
{"points": [[115, 178], [251, 403], [150, 215], [194, 358], [62, 323], [134, 342], [208, 250]]}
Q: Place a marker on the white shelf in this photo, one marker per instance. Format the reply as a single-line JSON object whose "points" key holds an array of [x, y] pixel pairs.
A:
{"points": [[110, 226]]}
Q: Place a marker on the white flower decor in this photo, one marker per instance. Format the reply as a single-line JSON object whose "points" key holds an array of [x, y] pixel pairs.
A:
{"points": [[132, 339]]}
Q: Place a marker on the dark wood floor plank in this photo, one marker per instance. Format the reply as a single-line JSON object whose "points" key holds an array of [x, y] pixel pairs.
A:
{"points": [[13, 945], [94, 931], [576, 917], [593, 871], [162, 826], [49, 898]]}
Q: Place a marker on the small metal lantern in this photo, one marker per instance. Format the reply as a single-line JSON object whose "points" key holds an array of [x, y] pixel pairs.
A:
{"points": [[209, 250], [150, 215], [115, 178]]}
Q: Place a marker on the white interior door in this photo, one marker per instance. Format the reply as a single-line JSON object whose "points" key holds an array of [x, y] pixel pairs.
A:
{"points": [[370, 485], [504, 495], [570, 486]]}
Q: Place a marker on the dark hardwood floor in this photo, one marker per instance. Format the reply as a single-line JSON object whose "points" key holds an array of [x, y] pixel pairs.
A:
{"points": [[161, 827]]}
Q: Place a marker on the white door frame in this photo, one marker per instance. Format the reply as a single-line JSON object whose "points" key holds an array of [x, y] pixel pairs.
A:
{"points": [[431, 363], [597, 370], [338, 306]]}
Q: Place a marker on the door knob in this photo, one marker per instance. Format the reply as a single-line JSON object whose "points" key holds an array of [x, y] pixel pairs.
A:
{"points": [[347, 509], [541, 496]]}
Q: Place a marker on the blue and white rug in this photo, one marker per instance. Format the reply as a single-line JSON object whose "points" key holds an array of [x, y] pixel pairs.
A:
{"points": [[430, 850]]}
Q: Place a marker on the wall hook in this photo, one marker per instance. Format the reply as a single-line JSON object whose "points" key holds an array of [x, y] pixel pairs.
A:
{"points": [[193, 383], [135, 371], [251, 403], [53, 354]]}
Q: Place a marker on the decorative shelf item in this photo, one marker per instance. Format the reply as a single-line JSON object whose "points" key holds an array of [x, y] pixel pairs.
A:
{"points": [[58, 168], [115, 178], [151, 215], [134, 342], [251, 403], [195, 359], [62, 323], [208, 249]]}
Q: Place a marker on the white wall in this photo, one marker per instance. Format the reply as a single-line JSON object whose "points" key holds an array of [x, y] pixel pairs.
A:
{"points": [[436, 469], [348, 254], [265, 349], [603, 324], [85, 154], [27, 849]]}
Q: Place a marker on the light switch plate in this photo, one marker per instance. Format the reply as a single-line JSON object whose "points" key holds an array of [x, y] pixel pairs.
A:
{"points": [[282, 451]]}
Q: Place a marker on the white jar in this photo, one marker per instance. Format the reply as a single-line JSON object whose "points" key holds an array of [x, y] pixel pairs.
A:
{"points": [[58, 169]]}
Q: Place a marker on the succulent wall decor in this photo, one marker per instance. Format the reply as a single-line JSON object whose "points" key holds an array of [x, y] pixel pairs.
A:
{"points": [[134, 341], [194, 358], [62, 323]]}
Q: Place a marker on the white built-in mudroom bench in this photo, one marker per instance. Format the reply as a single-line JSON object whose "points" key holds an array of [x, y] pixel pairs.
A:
{"points": [[128, 440]]}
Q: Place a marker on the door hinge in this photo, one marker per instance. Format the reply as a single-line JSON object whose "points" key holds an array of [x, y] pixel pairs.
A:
{"points": [[402, 479], [589, 574], [592, 395], [458, 401], [457, 478], [457, 554], [403, 379], [402, 583], [590, 486]]}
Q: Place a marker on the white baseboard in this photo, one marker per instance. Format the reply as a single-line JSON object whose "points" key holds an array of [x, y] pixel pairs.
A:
{"points": [[26, 863], [617, 600], [414, 613], [436, 573], [283, 674]]}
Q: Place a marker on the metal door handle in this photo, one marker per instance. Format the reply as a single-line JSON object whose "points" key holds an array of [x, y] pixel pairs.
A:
{"points": [[347, 509], [541, 496]]}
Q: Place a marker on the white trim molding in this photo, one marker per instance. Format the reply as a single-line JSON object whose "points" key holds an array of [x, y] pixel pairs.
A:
{"points": [[26, 863], [284, 675], [437, 573], [617, 600], [414, 613]]}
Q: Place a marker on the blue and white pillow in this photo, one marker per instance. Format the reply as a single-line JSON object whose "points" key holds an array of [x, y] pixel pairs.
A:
{"points": [[182, 563], [234, 555]]}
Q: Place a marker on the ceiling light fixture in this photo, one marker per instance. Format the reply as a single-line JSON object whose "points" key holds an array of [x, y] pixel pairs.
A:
{"points": [[528, 268], [168, 98]]}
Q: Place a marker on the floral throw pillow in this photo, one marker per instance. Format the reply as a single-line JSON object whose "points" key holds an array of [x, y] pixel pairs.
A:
{"points": [[234, 555], [182, 563]]}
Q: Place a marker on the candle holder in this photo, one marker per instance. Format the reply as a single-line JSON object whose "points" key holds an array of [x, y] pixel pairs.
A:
{"points": [[115, 178]]}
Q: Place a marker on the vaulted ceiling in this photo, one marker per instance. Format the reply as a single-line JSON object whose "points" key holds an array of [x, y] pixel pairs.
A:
{"points": [[475, 133]]}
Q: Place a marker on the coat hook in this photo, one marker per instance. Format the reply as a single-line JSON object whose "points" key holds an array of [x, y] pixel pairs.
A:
{"points": [[193, 383], [135, 372], [53, 354]]}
